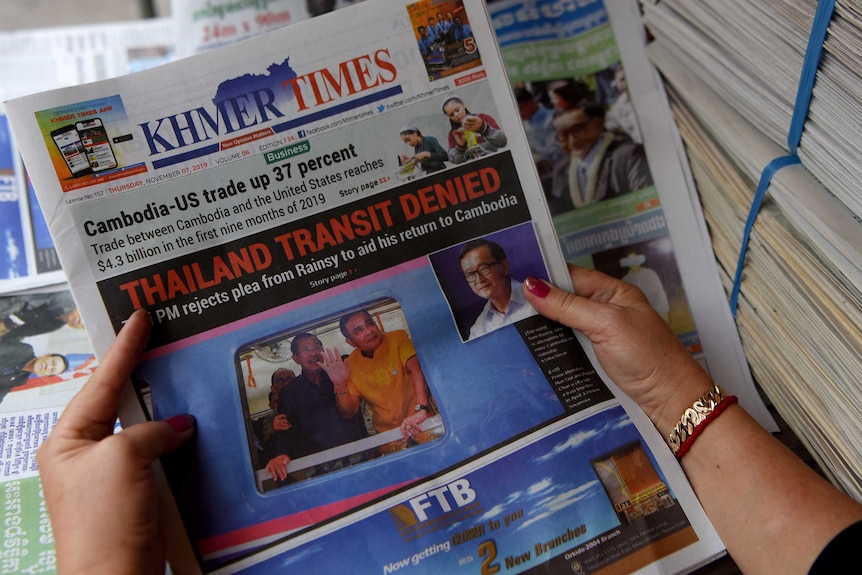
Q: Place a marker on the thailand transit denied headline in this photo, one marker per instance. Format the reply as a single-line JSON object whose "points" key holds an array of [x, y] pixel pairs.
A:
{"points": [[326, 234]]}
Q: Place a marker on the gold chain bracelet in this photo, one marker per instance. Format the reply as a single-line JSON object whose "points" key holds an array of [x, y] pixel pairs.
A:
{"points": [[694, 416]]}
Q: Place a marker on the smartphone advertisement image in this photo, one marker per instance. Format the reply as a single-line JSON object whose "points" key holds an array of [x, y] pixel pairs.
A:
{"points": [[95, 139], [72, 149], [87, 143]]}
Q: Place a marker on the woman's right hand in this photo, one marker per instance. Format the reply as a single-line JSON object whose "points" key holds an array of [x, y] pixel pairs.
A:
{"points": [[633, 344]]}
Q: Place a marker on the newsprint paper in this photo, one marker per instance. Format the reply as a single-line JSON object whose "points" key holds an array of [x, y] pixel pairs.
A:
{"points": [[309, 193]]}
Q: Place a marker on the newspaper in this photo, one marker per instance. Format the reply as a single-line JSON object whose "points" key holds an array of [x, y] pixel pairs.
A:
{"points": [[38, 325], [28, 257], [208, 24], [646, 227], [270, 205], [47, 58]]}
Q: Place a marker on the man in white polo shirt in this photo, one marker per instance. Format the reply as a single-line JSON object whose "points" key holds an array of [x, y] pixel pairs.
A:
{"points": [[486, 270]]}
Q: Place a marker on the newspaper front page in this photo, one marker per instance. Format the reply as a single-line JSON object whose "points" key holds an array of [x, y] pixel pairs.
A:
{"points": [[347, 192]]}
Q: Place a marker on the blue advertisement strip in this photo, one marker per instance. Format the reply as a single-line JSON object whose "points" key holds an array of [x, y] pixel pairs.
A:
{"points": [[585, 497]]}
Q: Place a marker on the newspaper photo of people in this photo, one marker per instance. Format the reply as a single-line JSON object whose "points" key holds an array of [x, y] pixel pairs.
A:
{"points": [[443, 37], [42, 342], [482, 279], [588, 149], [584, 137], [450, 133], [326, 396]]}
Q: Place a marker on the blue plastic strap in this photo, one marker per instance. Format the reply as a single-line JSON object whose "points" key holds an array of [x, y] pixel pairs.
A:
{"points": [[822, 17], [817, 36], [766, 177]]}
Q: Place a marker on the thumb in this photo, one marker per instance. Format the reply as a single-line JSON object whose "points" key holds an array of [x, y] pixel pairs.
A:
{"points": [[154, 439], [580, 313]]}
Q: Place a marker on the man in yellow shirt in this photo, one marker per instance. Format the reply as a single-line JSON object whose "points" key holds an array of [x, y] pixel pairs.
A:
{"points": [[384, 370]]}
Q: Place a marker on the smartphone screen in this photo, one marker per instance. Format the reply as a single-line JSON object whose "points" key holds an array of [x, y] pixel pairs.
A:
{"points": [[95, 139], [72, 150]]}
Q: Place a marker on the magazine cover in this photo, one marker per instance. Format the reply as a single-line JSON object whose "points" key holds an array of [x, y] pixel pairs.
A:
{"points": [[331, 241]]}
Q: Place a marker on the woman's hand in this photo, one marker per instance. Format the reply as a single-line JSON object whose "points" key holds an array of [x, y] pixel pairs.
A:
{"points": [[634, 346], [771, 510], [98, 485]]}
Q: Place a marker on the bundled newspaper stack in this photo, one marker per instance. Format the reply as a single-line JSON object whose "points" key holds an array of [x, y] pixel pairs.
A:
{"points": [[733, 68]]}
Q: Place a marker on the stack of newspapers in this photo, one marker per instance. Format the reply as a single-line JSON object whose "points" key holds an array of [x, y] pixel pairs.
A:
{"points": [[732, 68]]}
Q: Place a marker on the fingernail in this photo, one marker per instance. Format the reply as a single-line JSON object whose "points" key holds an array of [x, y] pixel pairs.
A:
{"points": [[181, 423], [537, 287], [139, 311]]}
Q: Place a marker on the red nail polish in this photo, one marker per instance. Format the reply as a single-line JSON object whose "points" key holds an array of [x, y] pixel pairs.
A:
{"points": [[537, 287], [181, 423]]}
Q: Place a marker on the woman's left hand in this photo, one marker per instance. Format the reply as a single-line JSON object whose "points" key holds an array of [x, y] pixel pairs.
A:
{"points": [[98, 485]]}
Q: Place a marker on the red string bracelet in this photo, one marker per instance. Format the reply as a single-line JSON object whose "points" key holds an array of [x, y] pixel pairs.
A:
{"points": [[697, 417], [698, 429]]}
